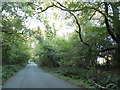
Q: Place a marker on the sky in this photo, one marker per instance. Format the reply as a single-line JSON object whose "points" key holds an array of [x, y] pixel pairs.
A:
{"points": [[60, 22]]}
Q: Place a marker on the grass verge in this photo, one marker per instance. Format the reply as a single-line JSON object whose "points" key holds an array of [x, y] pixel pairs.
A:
{"points": [[10, 70], [87, 79], [73, 79]]}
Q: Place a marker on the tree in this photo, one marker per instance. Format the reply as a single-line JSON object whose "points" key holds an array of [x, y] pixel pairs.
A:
{"points": [[111, 22], [14, 48]]}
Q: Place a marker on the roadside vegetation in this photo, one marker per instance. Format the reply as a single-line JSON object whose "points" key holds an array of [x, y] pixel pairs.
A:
{"points": [[15, 51], [78, 42], [14, 56], [63, 61], [9, 70], [86, 79]]}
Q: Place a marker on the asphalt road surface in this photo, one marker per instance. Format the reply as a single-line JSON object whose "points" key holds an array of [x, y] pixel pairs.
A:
{"points": [[33, 77]]}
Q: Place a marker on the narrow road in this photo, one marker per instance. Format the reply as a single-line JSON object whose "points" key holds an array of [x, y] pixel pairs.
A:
{"points": [[33, 77]]}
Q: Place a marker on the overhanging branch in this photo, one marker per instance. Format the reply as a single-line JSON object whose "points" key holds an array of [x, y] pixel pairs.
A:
{"points": [[7, 32], [65, 9], [105, 16], [43, 10], [47, 8], [77, 22], [10, 32], [92, 15], [108, 26], [13, 34], [79, 32]]}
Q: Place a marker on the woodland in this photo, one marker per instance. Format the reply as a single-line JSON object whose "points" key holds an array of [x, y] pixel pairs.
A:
{"points": [[86, 53]]}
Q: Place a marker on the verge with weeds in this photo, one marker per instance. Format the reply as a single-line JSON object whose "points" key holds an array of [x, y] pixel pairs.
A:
{"points": [[9, 70], [85, 78]]}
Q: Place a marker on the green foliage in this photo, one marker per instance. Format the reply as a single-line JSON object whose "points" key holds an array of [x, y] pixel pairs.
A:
{"points": [[77, 61], [77, 76], [10, 70], [48, 53], [107, 80], [86, 78], [14, 48], [14, 51]]}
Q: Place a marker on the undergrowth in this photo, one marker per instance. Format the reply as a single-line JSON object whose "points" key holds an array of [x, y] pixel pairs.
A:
{"points": [[87, 79], [10, 70]]}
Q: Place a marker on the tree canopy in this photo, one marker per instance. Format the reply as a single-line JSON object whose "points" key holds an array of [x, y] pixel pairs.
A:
{"points": [[61, 34]]}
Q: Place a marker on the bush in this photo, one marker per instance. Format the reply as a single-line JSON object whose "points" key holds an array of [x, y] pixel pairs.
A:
{"points": [[49, 54]]}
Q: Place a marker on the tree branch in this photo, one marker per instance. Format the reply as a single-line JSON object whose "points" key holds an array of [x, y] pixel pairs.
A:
{"points": [[99, 85], [79, 32], [7, 32], [65, 9], [96, 9], [108, 26], [14, 34], [77, 22], [10, 32], [45, 8], [92, 15]]}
